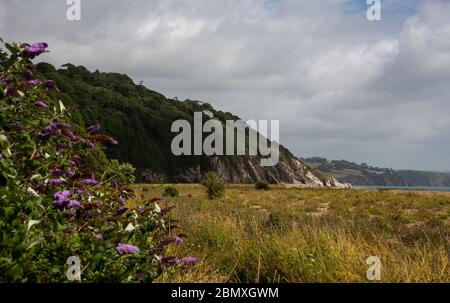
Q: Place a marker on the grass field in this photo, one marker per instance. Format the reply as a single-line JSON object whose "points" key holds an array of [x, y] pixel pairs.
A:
{"points": [[309, 235]]}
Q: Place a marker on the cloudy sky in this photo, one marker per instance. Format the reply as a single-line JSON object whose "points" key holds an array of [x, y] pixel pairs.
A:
{"points": [[342, 87]]}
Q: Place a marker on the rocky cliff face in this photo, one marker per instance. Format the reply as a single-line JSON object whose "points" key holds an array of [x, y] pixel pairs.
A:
{"points": [[247, 170]]}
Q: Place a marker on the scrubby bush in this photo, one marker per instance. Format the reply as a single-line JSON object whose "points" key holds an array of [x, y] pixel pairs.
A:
{"points": [[170, 191], [58, 199], [215, 187], [262, 185]]}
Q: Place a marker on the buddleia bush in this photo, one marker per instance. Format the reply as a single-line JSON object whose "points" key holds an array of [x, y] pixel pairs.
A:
{"points": [[56, 201]]}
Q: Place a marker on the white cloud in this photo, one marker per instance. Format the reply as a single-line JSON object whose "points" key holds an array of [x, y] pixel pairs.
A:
{"points": [[341, 86]]}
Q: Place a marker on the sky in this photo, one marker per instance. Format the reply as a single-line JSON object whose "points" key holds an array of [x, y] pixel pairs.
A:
{"points": [[342, 87]]}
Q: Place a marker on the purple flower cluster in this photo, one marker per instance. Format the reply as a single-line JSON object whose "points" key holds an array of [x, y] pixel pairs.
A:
{"points": [[51, 129], [41, 104], [174, 239], [93, 128], [33, 82], [123, 249], [90, 182], [74, 204], [121, 211], [56, 182], [121, 201], [51, 85], [35, 49], [71, 135], [62, 198]]}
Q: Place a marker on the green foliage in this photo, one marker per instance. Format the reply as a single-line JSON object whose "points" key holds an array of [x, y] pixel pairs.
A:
{"points": [[121, 171], [261, 185], [170, 191], [215, 187], [139, 118], [57, 199]]}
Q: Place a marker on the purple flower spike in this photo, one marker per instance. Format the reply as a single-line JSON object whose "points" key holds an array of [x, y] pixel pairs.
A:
{"points": [[11, 91], [74, 204], [93, 128], [123, 249], [71, 135], [29, 73], [50, 84], [35, 49], [41, 104], [91, 182], [70, 173], [57, 172], [174, 239], [62, 198], [51, 129], [18, 127], [169, 261], [121, 201], [56, 182], [112, 141], [34, 82], [86, 216], [189, 260], [121, 211]]}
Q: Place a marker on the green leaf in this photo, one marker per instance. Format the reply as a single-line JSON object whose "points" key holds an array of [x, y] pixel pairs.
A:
{"points": [[9, 211], [15, 272]]}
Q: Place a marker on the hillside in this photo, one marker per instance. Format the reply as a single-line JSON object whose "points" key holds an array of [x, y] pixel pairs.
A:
{"points": [[140, 119], [363, 174]]}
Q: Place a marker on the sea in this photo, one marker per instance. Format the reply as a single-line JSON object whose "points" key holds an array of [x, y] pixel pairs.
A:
{"points": [[413, 188]]}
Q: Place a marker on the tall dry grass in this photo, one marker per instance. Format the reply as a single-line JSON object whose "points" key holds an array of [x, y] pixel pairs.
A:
{"points": [[310, 235]]}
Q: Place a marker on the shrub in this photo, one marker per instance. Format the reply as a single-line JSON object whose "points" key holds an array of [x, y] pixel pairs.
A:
{"points": [[215, 188], [57, 201], [261, 185], [170, 192]]}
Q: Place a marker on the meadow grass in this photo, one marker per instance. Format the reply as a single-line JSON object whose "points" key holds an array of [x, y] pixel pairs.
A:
{"points": [[309, 235]]}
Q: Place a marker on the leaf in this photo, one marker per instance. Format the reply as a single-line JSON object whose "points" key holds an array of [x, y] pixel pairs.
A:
{"points": [[130, 227], [31, 223], [32, 192], [15, 272], [36, 176], [10, 47], [9, 211], [62, 108], [157, 208], [33, 244], [8, 152]]}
